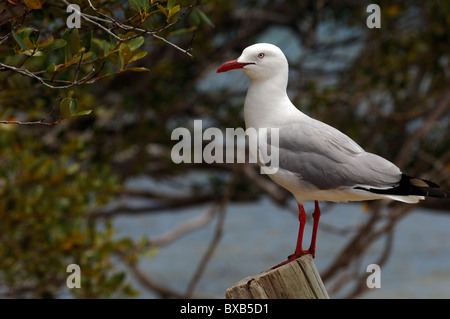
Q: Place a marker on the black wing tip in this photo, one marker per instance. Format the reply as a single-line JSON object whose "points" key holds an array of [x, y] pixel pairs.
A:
{"points": [[434, 192], [425, 187], [413, 186]]}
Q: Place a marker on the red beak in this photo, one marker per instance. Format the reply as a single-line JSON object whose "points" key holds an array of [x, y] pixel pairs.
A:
{"points": [[232, 65]]}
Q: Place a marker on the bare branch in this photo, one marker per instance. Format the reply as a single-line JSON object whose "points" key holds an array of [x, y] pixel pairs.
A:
{"points": [[217, 234], [40, 122], [30, 74], [163, 291], [180, 202], [443, 105], [188, 226]]}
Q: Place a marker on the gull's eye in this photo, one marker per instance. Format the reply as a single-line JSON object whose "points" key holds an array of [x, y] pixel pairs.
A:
{"points": [[261, 55]]}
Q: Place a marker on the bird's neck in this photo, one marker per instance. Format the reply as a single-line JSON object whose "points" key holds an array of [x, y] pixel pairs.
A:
{"points": [[267, 104]]}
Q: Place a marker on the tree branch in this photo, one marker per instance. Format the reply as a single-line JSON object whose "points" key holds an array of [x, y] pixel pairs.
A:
{"points": [[125, 27], [217, 234], [30, 74]]}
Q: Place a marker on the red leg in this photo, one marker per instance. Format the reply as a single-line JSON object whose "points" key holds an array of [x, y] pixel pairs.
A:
{"points": [[298, 249], [316, 217]]}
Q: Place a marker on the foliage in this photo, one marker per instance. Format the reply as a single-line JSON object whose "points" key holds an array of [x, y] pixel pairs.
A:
{"points": [[43, 222], [51, 178], [61, 57]]}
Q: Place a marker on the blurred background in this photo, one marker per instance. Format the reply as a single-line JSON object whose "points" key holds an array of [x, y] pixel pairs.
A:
{"points": [[86, 174]]}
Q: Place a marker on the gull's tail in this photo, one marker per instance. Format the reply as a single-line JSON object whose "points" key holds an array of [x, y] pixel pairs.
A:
{"points": [[414, 186]]}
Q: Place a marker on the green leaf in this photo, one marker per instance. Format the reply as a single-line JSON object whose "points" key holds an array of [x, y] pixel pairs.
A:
{"points": [[73, 106], [138, 69], [20, 41], [140, 5], [170, 4], [68, 108], [124, 55], [134, 5], [163, 10], [46, 41], [74, 41], [80, 113], [25, 34], [136, 55], [76, 58], [56, 44], [204, 17], [33, 53], [103, 46], [51, 68], [182, 31], [194, 16], [33, 37], [135, 43], [87, 55], [173, 11], [65, 37], [72, 37], [86, 41], [64, 108]]}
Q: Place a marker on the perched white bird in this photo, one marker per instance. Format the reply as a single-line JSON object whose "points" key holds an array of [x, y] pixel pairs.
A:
{"points": [[316, 161]]}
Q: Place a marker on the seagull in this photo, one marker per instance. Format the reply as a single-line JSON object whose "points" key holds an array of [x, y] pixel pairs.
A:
{"points": [[316, 161]]}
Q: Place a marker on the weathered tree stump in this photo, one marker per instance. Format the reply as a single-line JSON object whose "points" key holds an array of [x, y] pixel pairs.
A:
{"points": [[298, 279]]}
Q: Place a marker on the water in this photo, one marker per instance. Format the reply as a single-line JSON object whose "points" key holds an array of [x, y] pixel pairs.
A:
{"points": [[259, 235]]}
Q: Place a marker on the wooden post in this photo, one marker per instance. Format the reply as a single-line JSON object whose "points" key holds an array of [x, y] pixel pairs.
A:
{"points": [[298, 279]]}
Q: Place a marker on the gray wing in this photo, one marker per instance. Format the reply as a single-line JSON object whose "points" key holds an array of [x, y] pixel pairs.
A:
{"points": [[327, 158]]}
